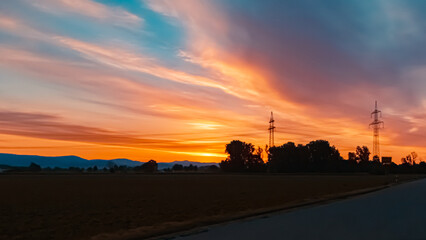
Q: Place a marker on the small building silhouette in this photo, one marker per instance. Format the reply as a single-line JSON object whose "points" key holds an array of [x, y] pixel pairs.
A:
{"points": [[386, 160]]}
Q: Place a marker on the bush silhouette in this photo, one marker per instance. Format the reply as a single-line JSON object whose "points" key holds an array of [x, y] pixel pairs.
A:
{"points": [[34, 167], [149, 167], [177, 167]]}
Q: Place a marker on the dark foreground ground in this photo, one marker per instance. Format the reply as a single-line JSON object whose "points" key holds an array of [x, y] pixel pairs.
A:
{"points": [[392, 214], [108, 206]]}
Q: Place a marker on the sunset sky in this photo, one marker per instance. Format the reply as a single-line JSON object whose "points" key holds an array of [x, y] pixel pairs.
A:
{"points": [[178, 79]]}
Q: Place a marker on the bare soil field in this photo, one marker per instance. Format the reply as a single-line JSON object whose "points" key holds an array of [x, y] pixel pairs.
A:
{"points": [[114, 206]]}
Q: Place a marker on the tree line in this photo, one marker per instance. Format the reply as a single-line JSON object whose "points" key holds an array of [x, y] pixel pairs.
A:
{"points": [[149, 167], [316, 156]]}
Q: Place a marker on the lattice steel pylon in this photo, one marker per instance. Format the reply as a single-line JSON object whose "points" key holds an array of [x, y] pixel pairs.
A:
{"points": [[271, 130], [376, 125]]}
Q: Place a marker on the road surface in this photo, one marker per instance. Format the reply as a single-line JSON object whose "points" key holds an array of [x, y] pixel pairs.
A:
{"points": [[393, 213]]}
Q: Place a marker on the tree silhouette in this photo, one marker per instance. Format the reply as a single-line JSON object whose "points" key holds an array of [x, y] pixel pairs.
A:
{"points": [[190, 168], [75, 169], [34, 167], [255, 162], [315, 156], [149, 167], [410, 159], [242, 157], [352, 157], [213, 168], [323, 157], [284, 158], [177, 167], [414, 157], [376, 158], [363, 153]]}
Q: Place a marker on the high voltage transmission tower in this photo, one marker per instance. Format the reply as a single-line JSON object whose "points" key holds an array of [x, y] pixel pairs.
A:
{"points": [[271, 130], [376, 125]]}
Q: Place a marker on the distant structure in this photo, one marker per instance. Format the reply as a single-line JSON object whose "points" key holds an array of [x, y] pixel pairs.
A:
{"points": [[386, 160], [271, 130], [376, 125]]}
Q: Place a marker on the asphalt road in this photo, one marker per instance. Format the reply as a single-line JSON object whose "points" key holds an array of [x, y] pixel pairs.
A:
{"points": [[393, 213]]}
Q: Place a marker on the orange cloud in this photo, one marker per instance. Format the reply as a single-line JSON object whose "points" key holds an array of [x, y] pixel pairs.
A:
{"points": [[52, 127]]}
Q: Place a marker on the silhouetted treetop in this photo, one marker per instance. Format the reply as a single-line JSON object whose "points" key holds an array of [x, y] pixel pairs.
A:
{"points": [[315, 156], [363, 153], [149, 167], [177, 167], [242, 157], [34, 167]]}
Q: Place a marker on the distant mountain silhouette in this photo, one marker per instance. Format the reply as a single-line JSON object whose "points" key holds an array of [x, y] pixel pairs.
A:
{"points": [[25, 160], [74, 161]]}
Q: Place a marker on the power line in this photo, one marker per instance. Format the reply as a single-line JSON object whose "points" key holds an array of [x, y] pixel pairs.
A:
{"points": [[271, 130], [376, 125]]}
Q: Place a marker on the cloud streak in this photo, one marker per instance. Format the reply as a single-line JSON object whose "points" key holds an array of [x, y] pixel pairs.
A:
{"points": [[91, 9], [36, 125]]}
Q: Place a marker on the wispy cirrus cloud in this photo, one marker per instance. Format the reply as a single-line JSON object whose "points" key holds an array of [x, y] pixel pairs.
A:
{"points": [[91, 9], [127, 59]]}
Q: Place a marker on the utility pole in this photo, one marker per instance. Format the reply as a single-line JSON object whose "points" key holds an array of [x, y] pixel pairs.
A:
{"points": [[271, 130], [376, 125]]}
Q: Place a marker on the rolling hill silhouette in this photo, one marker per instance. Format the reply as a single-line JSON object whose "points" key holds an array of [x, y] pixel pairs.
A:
{"points": [[75, 161]]}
